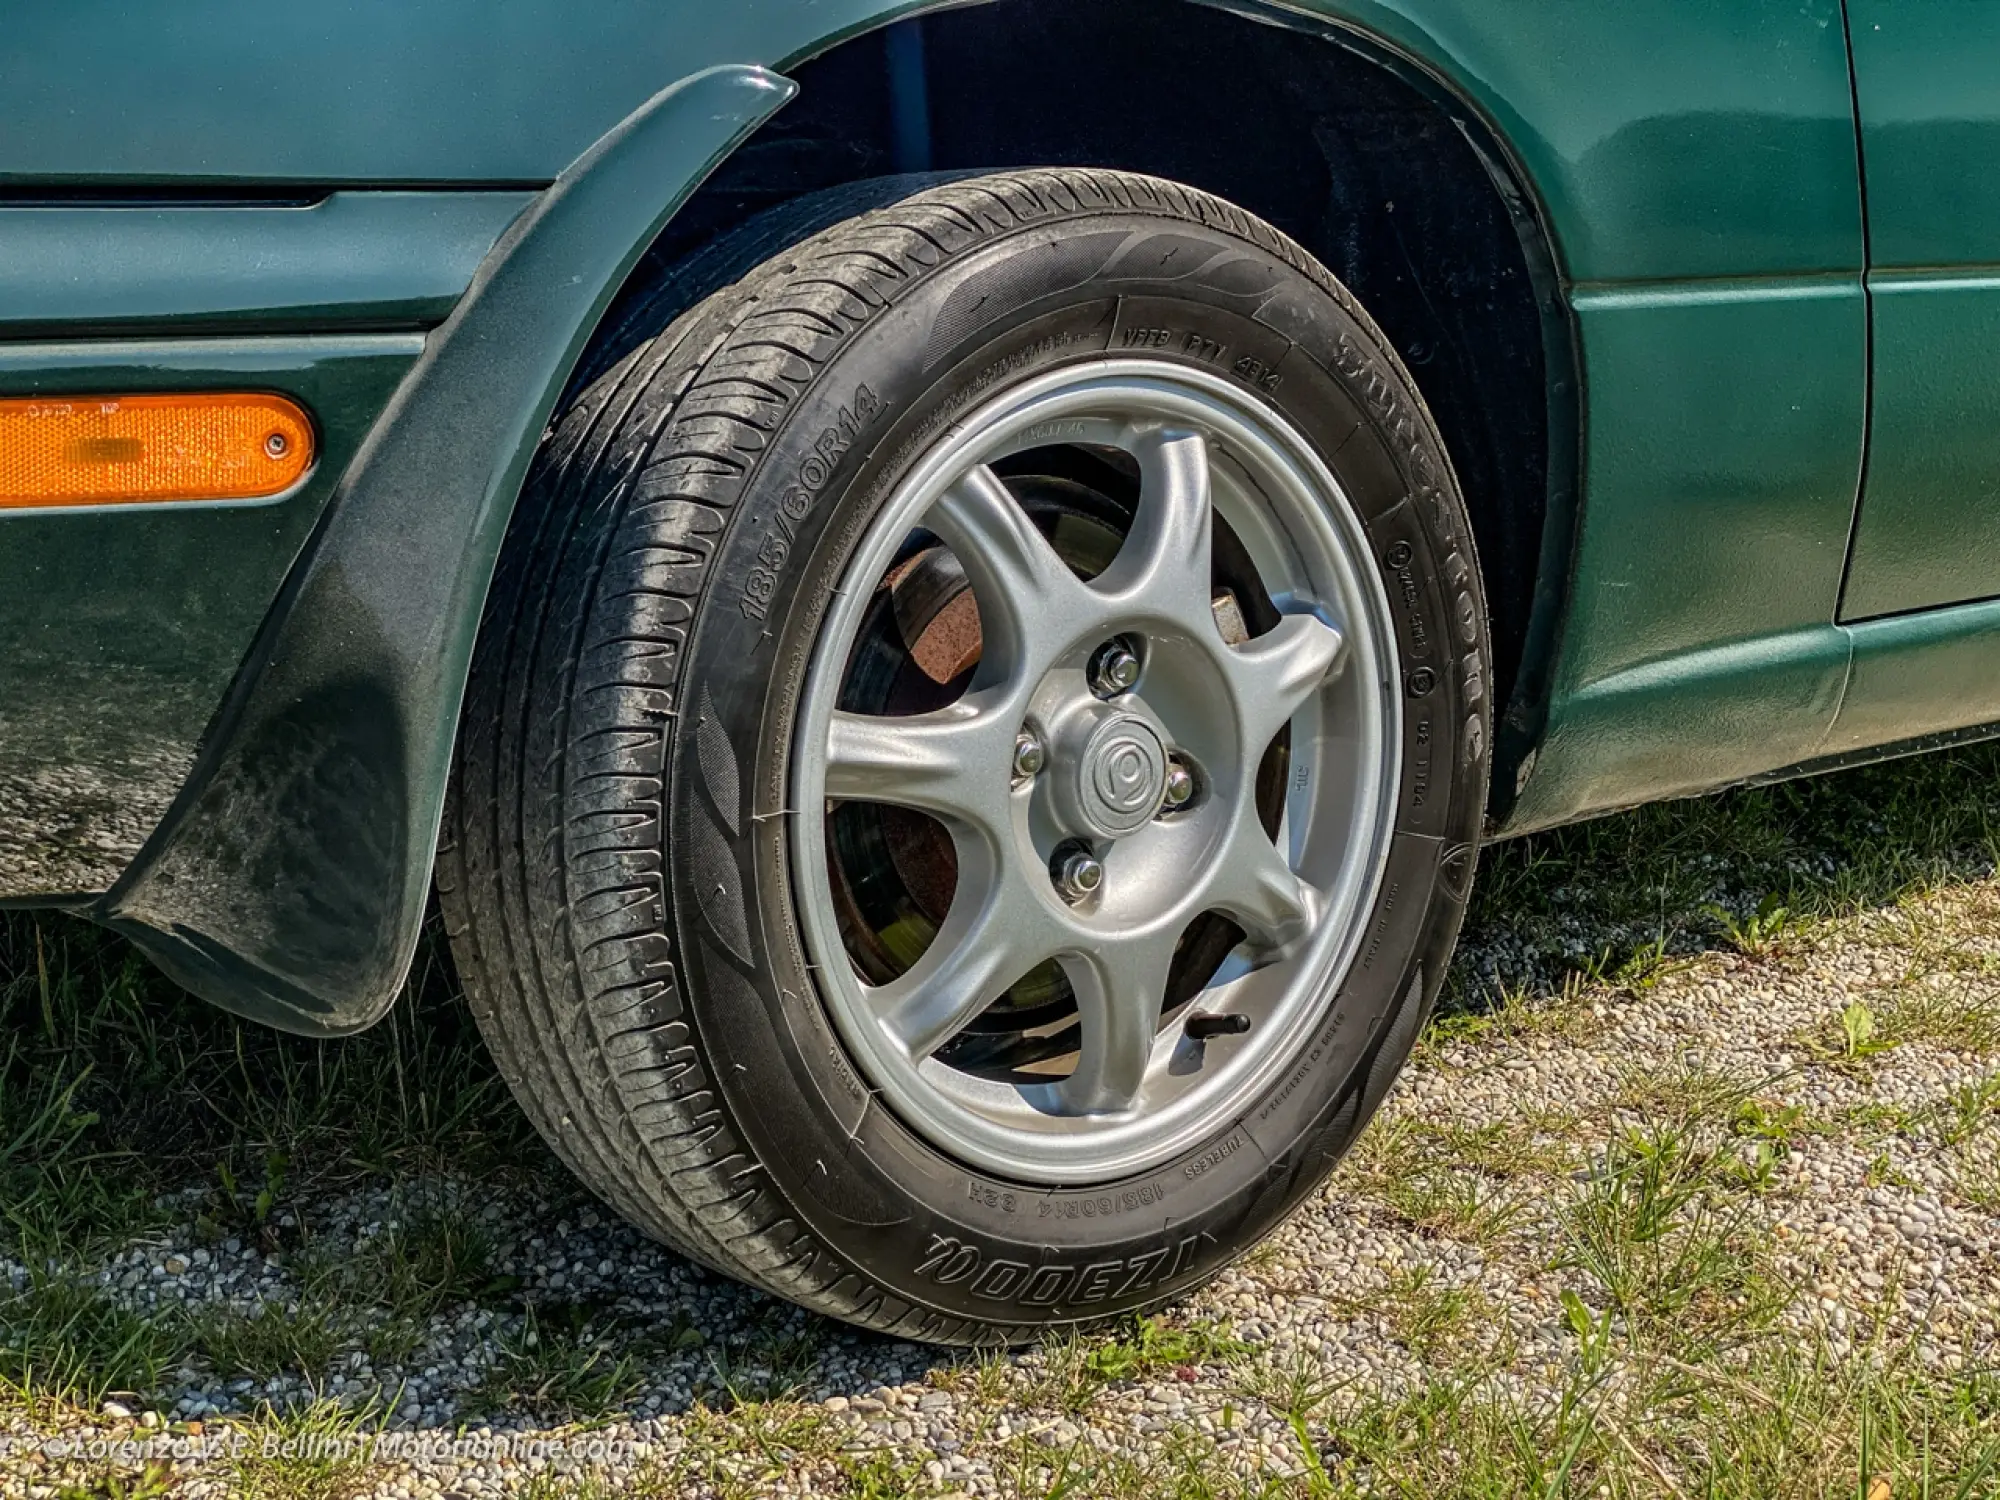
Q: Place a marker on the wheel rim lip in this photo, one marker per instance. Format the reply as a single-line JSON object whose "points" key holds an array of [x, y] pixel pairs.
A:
{"points": [[994, 1125]]}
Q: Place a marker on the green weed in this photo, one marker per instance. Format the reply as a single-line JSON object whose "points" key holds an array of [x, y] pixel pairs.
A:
{"points": [[1766, 933], [1153, 1345]]}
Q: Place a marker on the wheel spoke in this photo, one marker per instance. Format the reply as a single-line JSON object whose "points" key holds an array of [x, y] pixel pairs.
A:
{"points": [[953, 763], [1119, 986], [1023, 589], [1165, 559], [1278, 671], [1258, 890], [993, 934]]}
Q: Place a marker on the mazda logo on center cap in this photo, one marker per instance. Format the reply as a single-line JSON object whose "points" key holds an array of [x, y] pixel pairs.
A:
{"points": [[1122, 776], [1125, 778]]}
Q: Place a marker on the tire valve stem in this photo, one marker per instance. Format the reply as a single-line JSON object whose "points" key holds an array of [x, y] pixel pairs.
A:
{"points": [[1230, 1023]]}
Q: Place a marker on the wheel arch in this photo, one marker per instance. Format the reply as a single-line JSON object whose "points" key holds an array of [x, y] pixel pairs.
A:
{"points": [[1458, 258]]}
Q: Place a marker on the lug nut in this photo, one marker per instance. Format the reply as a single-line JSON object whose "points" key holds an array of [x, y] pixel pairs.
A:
{"points": [[1113, 669], [1079, 874], [1180, 787], [1029, 757]]}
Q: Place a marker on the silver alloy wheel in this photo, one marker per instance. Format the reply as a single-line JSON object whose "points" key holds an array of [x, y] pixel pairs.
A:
{"points": [[1140, 1090]]}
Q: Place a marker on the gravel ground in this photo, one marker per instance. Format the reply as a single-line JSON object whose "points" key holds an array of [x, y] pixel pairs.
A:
{"points": [[1778, 1143]]}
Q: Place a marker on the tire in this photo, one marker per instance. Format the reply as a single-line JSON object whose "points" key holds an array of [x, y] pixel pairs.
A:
{"points": [[630, 884]]}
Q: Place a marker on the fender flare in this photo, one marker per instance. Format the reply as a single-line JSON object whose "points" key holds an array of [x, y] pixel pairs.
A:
{"points": [[288, 881]]}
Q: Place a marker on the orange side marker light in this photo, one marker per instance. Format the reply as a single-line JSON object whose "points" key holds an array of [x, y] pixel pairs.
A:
{"points": [[121, 450]]}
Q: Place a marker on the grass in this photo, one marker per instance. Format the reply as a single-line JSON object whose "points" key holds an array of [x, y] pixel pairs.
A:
{"points": [[1070, 1371], [1632, 1219], [1947, 1020], [1414, 1171], [1785, 1425], [273, 1340], [1968, 1109], [1515, 1013], [62, 1339], [739, 1452], [1944, 1018], [1432, 1318], [563, 1362], [439, 1254], [119, 1095], [116, 1088], [317, 1452], [1754, 872], [1662, 1243]]}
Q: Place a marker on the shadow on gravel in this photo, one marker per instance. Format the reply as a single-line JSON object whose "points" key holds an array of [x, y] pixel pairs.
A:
{"points": [[226, 1214]]}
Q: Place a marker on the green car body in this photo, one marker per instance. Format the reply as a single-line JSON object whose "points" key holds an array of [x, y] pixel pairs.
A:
{"points": [[1755, 249]]}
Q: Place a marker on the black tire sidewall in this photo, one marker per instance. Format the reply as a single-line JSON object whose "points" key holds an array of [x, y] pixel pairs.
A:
{"points": [[918, 1223]]}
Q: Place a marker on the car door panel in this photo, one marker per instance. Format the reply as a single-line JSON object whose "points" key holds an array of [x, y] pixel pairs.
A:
{"points": [[1925, 76], [1929, 528]]}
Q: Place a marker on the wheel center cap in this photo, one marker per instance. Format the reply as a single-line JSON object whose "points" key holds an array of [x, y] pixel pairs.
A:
{"points": [[1119, 776]]}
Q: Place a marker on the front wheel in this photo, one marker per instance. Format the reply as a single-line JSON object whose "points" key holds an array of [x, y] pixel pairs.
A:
{"points": [[974, 760]]}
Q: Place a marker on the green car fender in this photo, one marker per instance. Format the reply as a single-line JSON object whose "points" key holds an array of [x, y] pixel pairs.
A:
{"points": [[288, 880]]}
